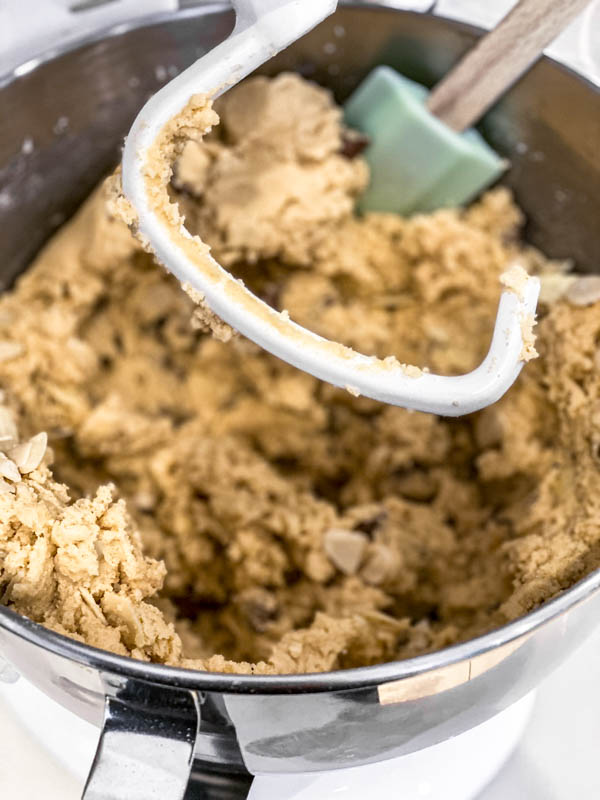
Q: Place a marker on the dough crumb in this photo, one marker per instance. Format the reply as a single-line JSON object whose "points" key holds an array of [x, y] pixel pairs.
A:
{"points": [[204, 318], [515, 279], [528, 350]]}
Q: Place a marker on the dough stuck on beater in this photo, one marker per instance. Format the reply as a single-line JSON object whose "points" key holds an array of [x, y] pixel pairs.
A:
{"points": [[161, 227]]}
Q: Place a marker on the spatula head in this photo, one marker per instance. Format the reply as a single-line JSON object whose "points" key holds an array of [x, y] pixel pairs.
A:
{"points": [[417, 163]]}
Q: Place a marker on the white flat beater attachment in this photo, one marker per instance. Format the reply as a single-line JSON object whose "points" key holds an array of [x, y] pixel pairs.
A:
{"points": [[263, 28]]}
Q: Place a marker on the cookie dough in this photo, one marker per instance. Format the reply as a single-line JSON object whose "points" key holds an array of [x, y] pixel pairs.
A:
{"points": [[201, 503]]}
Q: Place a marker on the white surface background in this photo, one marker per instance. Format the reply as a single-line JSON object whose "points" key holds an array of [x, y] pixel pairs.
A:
{"points": [[28, 27], [557, 758]]}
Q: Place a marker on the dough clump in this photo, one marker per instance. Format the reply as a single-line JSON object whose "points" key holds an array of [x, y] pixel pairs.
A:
{"points": [[203, 504]]}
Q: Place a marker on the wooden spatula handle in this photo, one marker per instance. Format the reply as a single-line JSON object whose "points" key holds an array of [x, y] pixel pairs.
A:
{"points": [[498, 59]]}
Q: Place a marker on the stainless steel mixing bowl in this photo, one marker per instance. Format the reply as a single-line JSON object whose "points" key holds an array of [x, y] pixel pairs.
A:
{"points": [[157, 720]]}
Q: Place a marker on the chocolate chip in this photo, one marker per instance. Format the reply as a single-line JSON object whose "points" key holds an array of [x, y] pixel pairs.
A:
{"points": [[353, 144], [259, 607], [270, 293], [369, 526]]}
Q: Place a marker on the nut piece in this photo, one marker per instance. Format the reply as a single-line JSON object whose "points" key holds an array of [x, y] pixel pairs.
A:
{"points": [[8, 429], [345, 549], [8, 469], [28, 455], [554, 285], [377, 567], [585, 291]]}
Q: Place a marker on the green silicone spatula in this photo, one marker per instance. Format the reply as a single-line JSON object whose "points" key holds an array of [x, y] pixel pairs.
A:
{"points": [[423, 154]]}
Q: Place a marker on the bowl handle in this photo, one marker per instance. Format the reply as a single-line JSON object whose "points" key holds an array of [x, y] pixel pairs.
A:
{"points": [[146, 747]]}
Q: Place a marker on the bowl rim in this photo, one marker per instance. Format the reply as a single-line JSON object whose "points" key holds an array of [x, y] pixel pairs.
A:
{"points": [[338, 680], [368, 677]]}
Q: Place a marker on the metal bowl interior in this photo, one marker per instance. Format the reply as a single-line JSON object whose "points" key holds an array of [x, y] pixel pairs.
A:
{"points": [[548, 125]]}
